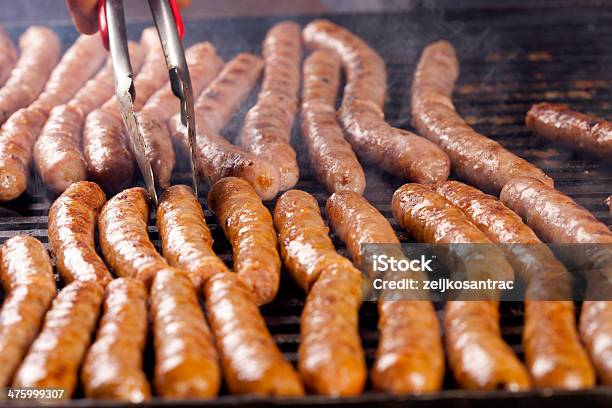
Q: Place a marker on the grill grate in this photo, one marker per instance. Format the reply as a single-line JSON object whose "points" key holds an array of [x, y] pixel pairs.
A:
{"points": [[508, 61]]}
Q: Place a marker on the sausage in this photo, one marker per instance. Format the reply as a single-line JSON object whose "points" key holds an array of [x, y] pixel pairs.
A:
{"points": [[481, 161], [113, 365], [29, 286], [8, 56], [216, 156], [331, 359], [21, 130], [267, 125], [409, 357], [72, 221], [124, 239], [556, 218], [40, 51], [252, 362], [186, 239], [204, 65], [248, 225], [477, 354], [332, 157], [186, 360], [553, 352], [397, 151], [54, 358], [579, 131], [106, 146]]}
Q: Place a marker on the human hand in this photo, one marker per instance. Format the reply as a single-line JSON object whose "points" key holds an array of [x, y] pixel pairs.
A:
{"points": [[85, 14]]}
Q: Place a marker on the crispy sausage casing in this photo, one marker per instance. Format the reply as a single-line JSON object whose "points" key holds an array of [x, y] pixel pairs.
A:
{"points": [[476, 158], [478, 356], [553, 351], [331, 359], [267, 125], [186, 239], [409, 358], [28, 282], [395, 150], [248, 225], [54, 359], [252, 362], [113, 366], [331, 155], [72, 221], [40, 50], [186, 363], [581, 132]]}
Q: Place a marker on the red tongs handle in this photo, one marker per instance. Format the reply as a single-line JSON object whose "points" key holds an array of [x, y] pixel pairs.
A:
{"points": [[103, 24]]}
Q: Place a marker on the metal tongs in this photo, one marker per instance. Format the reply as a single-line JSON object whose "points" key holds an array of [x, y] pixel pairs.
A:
{"points": [[167, 18]]}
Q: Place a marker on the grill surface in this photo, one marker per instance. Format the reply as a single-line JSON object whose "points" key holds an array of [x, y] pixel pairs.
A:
{"points": [[509, 60]]}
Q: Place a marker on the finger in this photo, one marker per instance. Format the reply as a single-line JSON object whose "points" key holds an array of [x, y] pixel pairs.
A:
{"points": [[183, 3], [84, 15]]}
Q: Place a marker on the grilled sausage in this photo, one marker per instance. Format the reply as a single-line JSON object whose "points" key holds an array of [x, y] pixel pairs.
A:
{"points": [[54, 359], [556, 218], [581, 132], [478, 356], [19, 133], [113, 366], [186, 239], [29, 285], [216, 156], [106, 146], [252, 362], [204, 65], [248, 225], [397, 151], [40, 51], [72, 221], [186, 360], [57, 152], [409, 357], [267, 125], [332, 157], [331, 359], [479, 160], [8, 55], [553, 352]]}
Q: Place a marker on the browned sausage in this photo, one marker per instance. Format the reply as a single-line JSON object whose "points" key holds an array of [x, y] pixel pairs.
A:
{"points": [[186, 360], [40, 51], [106, 146], [476, 158], [28, 282], [186, 239], [54, 358], [553, 351], [409, 357], [8, 56], [19, 133], [581, 132], [72, 221], [477, 354], [124, 239], [216, 156], [248, 226], [397, 151], [113, 366], [556, 218], [252, 362], [332, 157], [331, 359], [57, 152], [267, 125], [204, 65]]}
